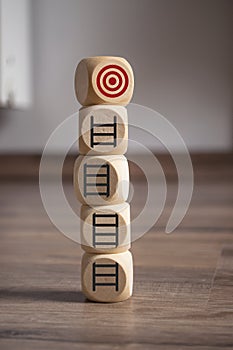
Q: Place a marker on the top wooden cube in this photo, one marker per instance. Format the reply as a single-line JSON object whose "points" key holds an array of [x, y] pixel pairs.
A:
{"points": [[104, 80]]}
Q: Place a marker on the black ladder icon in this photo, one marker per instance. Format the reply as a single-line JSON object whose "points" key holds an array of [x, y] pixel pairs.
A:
{"points": [[96, 188], [105, 267], [104, 134], [111, 222]]}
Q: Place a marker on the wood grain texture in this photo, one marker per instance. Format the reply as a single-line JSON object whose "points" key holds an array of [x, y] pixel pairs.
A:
{"points": [[107, 277], [182, 282], [104, 80]]}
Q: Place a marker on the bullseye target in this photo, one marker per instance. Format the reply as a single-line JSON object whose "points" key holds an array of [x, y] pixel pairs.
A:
{"points": [[112, 80]]}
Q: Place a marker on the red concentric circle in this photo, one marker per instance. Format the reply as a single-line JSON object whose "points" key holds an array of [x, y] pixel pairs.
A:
{"points": [[116, 76], [112, 81]]}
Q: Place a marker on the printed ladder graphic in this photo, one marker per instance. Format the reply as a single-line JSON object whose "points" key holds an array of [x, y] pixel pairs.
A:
{"points": [[95, 184], [95, 275], [108, 223], [106, 134]]}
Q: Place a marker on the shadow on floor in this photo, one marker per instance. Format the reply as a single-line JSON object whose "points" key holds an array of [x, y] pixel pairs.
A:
{"points": [[44, 294]]}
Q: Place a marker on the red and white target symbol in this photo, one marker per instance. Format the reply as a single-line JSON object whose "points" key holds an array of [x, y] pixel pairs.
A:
{"points": [[112, 80]]}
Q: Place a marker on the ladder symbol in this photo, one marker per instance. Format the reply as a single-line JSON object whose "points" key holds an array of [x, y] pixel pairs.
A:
{"points": [[105, 267], [108, 135], [110, 222], [98, 188]]}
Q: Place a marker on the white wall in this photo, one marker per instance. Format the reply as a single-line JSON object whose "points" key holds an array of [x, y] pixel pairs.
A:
{"points": [[180, 52], [15, 58]]}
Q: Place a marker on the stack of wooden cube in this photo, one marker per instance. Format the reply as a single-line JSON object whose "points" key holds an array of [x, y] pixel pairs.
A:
{"points": [[103, 86]]}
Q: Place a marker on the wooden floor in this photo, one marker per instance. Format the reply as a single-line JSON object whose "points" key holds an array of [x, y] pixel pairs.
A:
{"points": [[183, 290]]}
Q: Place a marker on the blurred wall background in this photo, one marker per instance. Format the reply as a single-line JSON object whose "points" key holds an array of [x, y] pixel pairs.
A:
{"points": [[181, 52]]}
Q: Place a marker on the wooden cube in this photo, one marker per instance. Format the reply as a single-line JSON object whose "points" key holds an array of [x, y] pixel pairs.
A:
{"points": [[104, 80], [101, 180], [105, 229], [107, 277], [103, 130]]}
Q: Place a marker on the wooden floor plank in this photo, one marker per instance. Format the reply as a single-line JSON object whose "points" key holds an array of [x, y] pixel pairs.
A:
{"points": [[221, 295], [183, 281]]}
